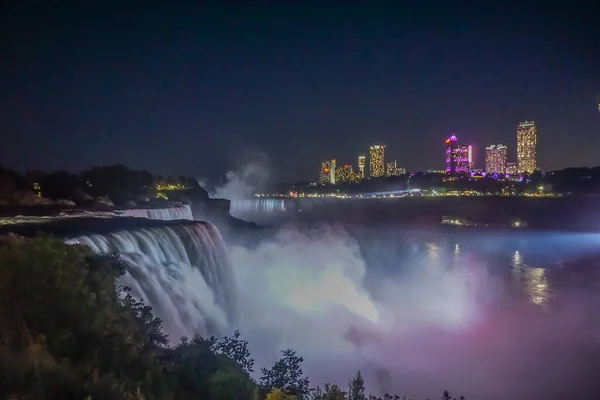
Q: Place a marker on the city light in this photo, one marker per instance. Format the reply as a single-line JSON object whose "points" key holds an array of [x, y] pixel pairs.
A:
{"points": [[347, 174], [470, 157], [361, 166], [392, 169], [377, 161], [526, 147], [495, 158], [458, 157], [327, 172], [170, 186]]}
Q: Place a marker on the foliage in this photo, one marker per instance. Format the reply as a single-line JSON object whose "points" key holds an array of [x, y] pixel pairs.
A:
{"points": [[356, 388], [68, 331], [329, 392], [237, 350], [116, 182], [13, 187], [64, 329], [195, 370], [278, 394], [287, 375]]}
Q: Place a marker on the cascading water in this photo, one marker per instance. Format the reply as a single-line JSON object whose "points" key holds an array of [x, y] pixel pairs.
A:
{"points": [[181, 271], [165, 214], [257, 206]]}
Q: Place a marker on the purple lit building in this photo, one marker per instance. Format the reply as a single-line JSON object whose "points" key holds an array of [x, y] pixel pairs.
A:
{"points": [[459, 158]]}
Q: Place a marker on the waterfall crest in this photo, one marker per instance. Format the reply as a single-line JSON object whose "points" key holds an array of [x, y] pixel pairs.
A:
{"points": [[257, 206], [181, 271], [165, 214]]}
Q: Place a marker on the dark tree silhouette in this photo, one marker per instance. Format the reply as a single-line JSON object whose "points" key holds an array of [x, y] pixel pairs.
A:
{"points": [[286, 374]]}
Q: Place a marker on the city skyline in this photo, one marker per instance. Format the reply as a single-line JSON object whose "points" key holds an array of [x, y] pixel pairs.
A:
{"points": [[459, 158], [194, 90]]}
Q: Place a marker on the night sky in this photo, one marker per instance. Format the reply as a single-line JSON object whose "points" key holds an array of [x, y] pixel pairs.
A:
{"points": [[187, 90]]}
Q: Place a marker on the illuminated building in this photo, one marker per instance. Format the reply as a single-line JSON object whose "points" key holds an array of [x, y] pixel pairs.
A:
{"points": [[495, 159], [377, 161], [392, 169], [470, 156], [347, 174], [361, 166], [511, 168], [458, 157], [327, 172], [526, 147]]}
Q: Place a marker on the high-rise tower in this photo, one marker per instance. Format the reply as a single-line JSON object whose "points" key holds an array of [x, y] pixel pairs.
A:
{"points": [[495, 159], [458, 157], [526, 147], [327, 172], [377, 161], [361, 166]]}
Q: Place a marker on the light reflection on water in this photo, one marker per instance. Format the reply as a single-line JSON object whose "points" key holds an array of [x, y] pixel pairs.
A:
{"points": [[522, 261], [532, 280]]}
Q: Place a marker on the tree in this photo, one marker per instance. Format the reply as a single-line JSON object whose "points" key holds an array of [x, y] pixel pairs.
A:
{"points": [[329, 392], [197, 370], [7, 185], [236, 349], [287, 375], [66, 332], [356, 388]]}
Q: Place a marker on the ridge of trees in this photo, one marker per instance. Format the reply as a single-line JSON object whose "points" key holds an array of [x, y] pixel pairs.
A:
{"points": [[108, 184], [69, 331]]}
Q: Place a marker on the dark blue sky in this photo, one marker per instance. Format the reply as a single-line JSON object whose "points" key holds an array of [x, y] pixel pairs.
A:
{"points": [[183, 90]]}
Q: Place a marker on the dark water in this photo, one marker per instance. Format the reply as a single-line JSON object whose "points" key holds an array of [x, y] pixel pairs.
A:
{"points": [[485, 313]]}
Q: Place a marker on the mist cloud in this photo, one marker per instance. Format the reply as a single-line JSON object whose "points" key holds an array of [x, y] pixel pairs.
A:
{"points": [[433, 327], [253, 176]]}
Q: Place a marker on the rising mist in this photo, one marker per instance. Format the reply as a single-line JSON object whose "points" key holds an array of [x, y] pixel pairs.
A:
{"points": [[254, 175], [421, 326]]}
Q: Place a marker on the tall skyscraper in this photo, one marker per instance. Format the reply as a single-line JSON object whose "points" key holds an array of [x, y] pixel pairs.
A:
{"points": [[361, 166], [458, 157], [526, 147], [347, 174], [470, 157], [495, 159], [327, 172], [377, 161]]}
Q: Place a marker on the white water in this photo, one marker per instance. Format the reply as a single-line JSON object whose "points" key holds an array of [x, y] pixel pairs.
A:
{"points": [[165, 214], [256, 206], [181, 271]]}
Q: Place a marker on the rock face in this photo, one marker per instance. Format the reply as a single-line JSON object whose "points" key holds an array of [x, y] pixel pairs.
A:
{"points": [[82, 226]]}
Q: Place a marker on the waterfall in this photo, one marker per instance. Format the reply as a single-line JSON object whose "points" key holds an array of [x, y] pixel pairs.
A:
{"points": [[165, 214], [181, 271], [257, 206]]}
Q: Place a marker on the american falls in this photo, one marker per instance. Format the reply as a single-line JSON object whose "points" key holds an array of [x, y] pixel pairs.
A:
{"points": [[182, 271], [165, 214]]}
